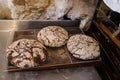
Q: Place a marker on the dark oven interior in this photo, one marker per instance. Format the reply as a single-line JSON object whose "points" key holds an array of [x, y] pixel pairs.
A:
{"points": [[106, 29]]}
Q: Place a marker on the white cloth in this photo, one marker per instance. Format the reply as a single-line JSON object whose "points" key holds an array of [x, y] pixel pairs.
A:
{"points": [[113, 4]]}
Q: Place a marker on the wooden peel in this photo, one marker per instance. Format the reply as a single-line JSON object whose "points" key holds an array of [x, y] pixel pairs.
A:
{"points": [[107, 31]]}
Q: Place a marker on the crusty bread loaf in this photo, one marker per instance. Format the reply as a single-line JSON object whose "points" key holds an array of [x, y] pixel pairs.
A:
{"points": [[26, 53], [83, 47], [39, 9], [27, 9], [53, 36]]}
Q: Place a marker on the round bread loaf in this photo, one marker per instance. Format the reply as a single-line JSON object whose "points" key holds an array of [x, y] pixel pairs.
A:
{"points": [[83, 47], [26, 53], [53, 36]]}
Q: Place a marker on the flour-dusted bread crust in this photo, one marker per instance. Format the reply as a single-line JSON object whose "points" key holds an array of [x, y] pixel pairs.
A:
{"points": [[83, 47], [27, 9], [39, 9], [53, 36], [26, 53]]}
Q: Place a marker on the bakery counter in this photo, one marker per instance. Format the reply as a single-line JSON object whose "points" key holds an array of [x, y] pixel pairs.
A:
{"points": [[76, 73]]}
